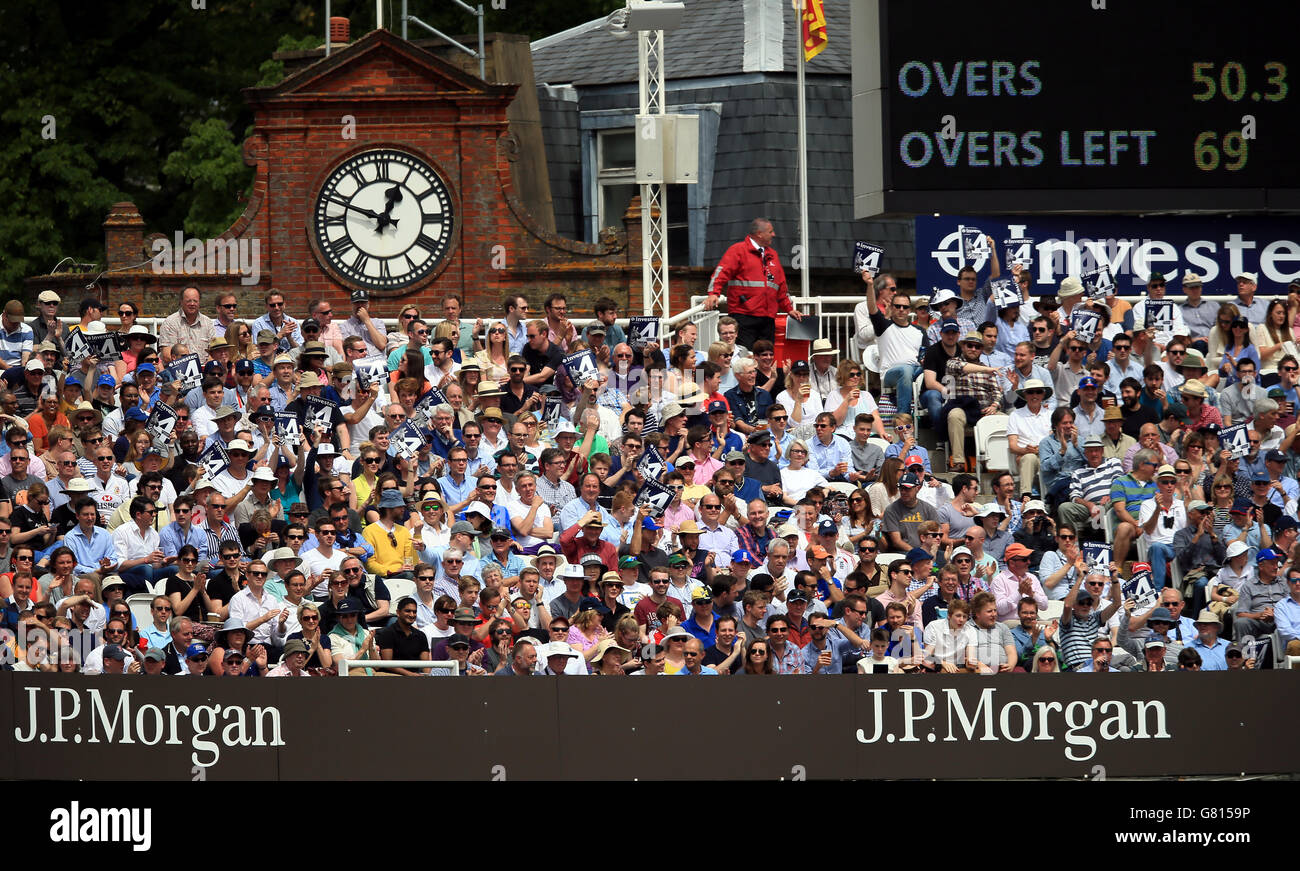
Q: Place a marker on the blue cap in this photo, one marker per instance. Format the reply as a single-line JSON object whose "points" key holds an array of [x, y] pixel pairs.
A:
{"points": [[244, 366], [106, 380], [1283, 523], [649, 523], [146, 367], [391, 499], [135, 413], [196, 649], [73, 378], [949, 324], [1267, 554], [827, 527], [212, 367], [743, 556], [1087, 381], [1260, 478], [717, 406], [1242, 506], [916, 555]]}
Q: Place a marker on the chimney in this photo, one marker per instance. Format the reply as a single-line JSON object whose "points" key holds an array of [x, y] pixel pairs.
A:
{"points": [[339, 34]]}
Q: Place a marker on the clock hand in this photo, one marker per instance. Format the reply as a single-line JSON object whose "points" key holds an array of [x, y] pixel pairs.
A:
{"points": [[367, 212], [394, 196]]}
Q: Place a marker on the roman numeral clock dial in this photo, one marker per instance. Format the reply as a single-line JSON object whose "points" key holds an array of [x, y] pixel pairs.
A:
{"points": [[383, 220]]}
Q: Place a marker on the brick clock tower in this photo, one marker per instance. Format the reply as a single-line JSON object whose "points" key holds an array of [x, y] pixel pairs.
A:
{"points": [[387, 168], [384, 167]]}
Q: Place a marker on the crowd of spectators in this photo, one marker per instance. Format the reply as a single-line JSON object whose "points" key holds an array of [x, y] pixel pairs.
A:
{"points": [[806, 528]]}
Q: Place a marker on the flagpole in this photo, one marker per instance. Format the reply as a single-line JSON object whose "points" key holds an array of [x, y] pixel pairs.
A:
{"points": [[800, 9]]}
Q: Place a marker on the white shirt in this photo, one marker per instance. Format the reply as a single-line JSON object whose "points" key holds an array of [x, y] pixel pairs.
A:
{"points": [[228, 485], [948, 646], [812, 406], [247, 609], [1164, 533], [722, 542], [1030, 428], [201, 420], [131, 544], [314, 562], [517, 509], [109, 496]]}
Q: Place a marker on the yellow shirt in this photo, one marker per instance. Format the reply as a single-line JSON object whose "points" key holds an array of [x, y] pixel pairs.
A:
{"points": [[390, 553]]}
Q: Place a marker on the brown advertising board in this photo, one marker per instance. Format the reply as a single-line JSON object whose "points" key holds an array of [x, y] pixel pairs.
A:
{"points": [[1012, 726]]}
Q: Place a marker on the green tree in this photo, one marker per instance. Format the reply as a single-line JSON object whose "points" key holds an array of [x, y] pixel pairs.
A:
{"points": [[141, 101]]}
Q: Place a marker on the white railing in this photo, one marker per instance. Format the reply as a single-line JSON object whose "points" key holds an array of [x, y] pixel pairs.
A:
{"points": [[836, 313], [445, 667]]}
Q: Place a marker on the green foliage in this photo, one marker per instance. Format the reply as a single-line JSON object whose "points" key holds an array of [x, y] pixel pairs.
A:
{"points": [[209, 164]]}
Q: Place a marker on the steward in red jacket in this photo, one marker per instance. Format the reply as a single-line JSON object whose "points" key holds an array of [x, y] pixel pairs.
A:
{"points": [[751, 278]]}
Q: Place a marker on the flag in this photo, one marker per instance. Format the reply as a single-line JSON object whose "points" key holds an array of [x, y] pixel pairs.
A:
{"points": [[814, 29]]}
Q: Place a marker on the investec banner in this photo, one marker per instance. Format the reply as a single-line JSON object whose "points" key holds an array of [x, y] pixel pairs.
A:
{"points": [[1217, 248], [965, 726]]}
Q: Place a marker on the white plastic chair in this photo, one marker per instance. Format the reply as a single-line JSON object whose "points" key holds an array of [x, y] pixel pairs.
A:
{"points": [[991, 449], [878, 442], [397, 588], [1055, 608], [140, 605], [871, 358]]}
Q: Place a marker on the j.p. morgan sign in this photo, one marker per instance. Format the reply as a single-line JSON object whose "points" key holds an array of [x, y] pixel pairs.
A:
{"points": [[808, 727]]}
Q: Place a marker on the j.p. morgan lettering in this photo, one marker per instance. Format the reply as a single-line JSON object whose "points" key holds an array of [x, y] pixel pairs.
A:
{"points": [[59, 715], [945, 716]]}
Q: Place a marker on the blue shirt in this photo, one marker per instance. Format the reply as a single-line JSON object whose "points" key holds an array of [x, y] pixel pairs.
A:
{"points": [[171, 540], [811, 653], [704, 669], [824, 458], [896, 450], [264, 323], [455, 493], [784, 444], [572, 513], [1212, 658], [511, 567], [753, 410], [707, 637], [13, 344], [89, 551]]}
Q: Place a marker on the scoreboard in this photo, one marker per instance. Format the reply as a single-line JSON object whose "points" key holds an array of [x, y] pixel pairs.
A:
{"points": [[1013, 106]]}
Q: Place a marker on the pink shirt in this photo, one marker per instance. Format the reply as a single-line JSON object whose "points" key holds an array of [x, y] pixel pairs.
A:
{"points": [[704, 470], [1006, 589]]}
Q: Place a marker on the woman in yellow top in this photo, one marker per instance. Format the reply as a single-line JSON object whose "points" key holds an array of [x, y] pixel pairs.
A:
{"points": [[394, 556], [492, 359]]}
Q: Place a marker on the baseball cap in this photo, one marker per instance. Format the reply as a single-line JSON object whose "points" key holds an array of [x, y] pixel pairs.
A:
{"points": [[1266, 554], [717, 406], [196, 649], [916, 555], [739, 556], [1275, 456], [800, 367], [114, 651], [701, 594], [242, 367], [1241, 506], [1087, 382], [135, 413], [949, 325], [827, 527], [797, 596], [1249, 276], [909, 479], [914, 460], [153, 654], [648, 523], [628, 562], [678, 560], [732, 456]]}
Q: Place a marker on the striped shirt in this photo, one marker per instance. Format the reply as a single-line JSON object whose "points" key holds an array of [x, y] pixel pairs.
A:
{"points": [[1131, 491], [1092, 484], [13, 344]]}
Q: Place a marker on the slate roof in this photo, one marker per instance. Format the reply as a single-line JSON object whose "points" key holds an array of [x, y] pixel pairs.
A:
{"points": [[709, 42], [755, 169]]}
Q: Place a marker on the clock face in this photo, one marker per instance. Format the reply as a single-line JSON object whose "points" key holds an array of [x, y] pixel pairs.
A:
{"points": [[383, 220]]}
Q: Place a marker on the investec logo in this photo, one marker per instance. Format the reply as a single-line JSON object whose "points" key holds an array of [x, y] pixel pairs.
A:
{"points": [[1016, 721], [1134, 259], [54, 715]]}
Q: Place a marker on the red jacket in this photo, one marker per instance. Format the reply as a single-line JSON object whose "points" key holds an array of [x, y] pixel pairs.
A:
{"points": [[752, 281]]}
